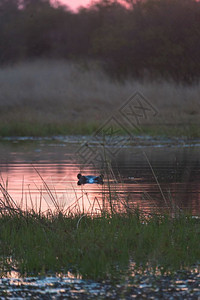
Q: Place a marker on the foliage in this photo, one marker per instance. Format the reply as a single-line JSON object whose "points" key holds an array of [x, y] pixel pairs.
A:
{"points": [[155, 38], [100, 247]]}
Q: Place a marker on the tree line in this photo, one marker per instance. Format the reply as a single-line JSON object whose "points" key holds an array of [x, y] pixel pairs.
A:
{"points": [[154, 38]]}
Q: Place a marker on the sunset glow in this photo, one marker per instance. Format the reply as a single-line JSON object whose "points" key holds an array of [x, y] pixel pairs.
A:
{"points": [[75, 4]]}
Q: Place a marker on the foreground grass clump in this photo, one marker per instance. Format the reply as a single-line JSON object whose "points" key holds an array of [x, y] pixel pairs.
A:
{"points": [[97, 247]]}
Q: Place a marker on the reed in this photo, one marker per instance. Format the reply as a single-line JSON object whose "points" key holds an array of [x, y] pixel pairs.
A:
{"points": [[91, 245]]}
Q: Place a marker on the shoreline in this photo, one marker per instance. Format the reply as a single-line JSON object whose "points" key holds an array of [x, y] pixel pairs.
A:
{"points": [[37, 130], [134, 141]]}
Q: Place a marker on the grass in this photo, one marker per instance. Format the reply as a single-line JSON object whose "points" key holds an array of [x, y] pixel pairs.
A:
{"points": [[170, 131], [44, 97], [39, 129], [95, 246], [100, 247], [112, 244]]}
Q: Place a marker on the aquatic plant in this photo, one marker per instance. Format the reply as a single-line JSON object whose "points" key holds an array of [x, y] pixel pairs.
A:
{"points": [[98, 246]]}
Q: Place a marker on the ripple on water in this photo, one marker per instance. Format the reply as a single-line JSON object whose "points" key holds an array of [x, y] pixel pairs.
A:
{"points": [[183, 284]]}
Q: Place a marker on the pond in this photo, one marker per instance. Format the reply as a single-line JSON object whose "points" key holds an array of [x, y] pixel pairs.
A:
{"points": [[150, 174], [154, 175]]}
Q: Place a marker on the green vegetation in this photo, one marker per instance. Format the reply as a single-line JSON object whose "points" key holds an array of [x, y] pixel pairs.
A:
{"points": [[44, 130], [184, 130], [97, 247], [108, 245], [51, 85], [16, 129]]}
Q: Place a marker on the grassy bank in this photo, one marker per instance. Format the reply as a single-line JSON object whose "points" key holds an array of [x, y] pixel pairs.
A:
{"points": [[19, 129], [59, 97], [100, 247]]}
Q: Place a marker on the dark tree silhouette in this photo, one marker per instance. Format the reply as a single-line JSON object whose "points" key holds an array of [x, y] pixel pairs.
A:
{"points": [[154, 38]]}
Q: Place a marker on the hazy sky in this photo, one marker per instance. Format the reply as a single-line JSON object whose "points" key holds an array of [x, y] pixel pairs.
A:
{"points": [[76, 3]]}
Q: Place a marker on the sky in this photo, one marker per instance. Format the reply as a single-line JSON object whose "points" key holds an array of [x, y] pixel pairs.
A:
{"points": [[74, 4]]}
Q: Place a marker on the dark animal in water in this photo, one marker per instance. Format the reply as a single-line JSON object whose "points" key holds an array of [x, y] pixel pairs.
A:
{"points": [[89, 179]]}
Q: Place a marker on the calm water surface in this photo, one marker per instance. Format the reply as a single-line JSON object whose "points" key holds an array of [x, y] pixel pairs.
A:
{"points": [[28, 167]]}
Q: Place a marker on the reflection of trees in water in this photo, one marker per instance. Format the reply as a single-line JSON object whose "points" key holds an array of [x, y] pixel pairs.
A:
{"points": [[178, 175], [35, 152], [180, 165]]}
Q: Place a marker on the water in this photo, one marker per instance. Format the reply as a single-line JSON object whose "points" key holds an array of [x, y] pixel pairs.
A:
{"points": [[183, 285], [148, 174]]}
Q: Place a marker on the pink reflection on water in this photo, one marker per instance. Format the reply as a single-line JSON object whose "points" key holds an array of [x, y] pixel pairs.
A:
{"points": [[44, 187], [53, 186]]}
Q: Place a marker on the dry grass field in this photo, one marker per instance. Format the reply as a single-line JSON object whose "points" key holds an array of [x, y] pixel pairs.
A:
{"points": [[59, 97]]}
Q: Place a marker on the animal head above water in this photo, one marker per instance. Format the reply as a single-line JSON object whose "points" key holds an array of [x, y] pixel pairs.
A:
{"points": [[89, 179]]}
